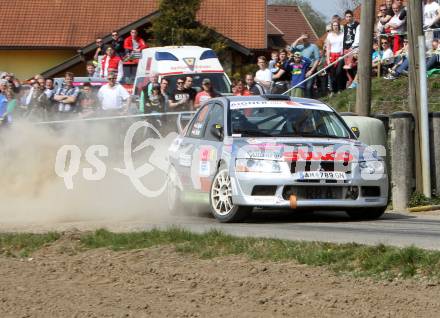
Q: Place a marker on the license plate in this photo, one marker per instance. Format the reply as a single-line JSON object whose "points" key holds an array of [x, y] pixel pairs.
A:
{"points": [[321, 175]]}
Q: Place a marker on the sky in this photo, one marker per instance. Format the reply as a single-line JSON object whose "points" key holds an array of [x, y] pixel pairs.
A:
{"points": [[326, 7]]}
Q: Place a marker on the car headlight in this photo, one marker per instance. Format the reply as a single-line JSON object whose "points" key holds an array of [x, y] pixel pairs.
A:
{"points": [[372, 167], [257, 165]]}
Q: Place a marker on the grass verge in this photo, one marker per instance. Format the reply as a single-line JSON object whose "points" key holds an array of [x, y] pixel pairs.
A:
{"points": [[418, 199], [22, 245], [387, 96], [380, 261]]}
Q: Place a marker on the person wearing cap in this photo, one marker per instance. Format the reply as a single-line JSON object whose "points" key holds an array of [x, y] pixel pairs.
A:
{"points": [[310, 51], [299, 69], [205, 94]]}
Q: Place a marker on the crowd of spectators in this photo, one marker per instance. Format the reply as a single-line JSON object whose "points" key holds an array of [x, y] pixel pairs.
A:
{"points": [[293, 69], [303, 69]]}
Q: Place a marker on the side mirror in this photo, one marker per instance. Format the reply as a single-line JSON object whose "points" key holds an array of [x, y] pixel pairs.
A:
{"points": [[217, 131], [356, 131]]}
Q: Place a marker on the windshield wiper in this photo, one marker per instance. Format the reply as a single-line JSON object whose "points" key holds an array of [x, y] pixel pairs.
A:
{"points": [[317, 135]]}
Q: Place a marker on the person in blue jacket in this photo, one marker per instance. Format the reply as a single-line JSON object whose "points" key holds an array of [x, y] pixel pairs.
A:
{"points": [[299, 66]]}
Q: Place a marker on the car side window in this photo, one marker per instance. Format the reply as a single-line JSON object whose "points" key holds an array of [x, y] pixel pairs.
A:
{"points": [[198, 126], [216, 116]]}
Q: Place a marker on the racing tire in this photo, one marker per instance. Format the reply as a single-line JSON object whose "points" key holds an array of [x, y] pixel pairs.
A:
{"points": [[220, 200], [366, 213], [175, 204]]}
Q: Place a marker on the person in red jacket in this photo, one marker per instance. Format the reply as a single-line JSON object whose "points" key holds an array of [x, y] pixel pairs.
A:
{"points": [[111, 63], [134, 44]]}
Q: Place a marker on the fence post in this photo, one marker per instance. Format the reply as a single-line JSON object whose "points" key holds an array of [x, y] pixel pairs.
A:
{"points": [[402, 158], [435, 149]]}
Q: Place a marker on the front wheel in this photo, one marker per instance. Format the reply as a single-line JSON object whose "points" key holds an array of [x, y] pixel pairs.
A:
{"points": [[220, 200], [366, 213]]}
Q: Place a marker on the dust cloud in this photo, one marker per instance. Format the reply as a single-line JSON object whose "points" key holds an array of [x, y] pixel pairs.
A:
{"points": [[32, 193]]}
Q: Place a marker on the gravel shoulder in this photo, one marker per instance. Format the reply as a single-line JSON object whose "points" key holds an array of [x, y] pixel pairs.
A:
{"points": [[64, 281]]}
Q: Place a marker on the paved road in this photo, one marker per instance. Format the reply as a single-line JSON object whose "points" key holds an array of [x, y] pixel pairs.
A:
{"points": [[398, 229]]}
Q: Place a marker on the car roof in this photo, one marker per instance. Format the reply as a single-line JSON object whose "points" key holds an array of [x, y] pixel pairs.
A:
{"points": [[304, 102]]}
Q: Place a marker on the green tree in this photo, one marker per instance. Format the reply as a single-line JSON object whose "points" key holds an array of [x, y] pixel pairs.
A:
{"points": [[177, 25], [316, 19]]}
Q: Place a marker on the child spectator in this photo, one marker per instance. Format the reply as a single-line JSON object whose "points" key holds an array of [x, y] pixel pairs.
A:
{"points": [[274, 62], [310, 51], [299, 67]]}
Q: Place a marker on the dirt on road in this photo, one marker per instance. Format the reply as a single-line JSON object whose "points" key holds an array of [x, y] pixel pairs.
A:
{"points": [[62, 280]]}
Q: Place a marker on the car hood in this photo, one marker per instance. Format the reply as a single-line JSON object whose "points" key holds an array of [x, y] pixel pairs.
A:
{"points": [[300, 148]]}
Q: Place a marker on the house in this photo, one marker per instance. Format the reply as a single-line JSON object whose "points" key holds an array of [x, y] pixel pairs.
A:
{"points": [[35, 39], [55, 36], [286, 23]]}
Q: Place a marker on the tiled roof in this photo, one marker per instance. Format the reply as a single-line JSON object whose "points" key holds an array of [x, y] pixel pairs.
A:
{"points": [[272, 29], [242, 21], [74, 24], [291, 21]]}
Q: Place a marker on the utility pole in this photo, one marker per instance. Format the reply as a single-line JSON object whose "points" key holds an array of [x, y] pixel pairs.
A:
{"points": [[363, 92], [414, 27]]}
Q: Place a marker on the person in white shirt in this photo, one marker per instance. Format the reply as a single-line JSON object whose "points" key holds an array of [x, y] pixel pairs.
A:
{"points": [[385, 58], [263, 76], [334, 45], [113, 96], [396, 26], [431, 19], [431, 14]]}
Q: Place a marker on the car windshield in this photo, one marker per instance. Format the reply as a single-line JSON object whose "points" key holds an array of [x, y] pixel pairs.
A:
{"points": [[219, 81], [286, 122]]}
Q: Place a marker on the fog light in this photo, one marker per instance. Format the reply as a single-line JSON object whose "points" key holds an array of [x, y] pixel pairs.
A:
{"points": [[352, 193]]}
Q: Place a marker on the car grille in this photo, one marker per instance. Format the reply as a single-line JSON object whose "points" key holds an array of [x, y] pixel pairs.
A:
{"points": [[321, 192], [300, 166]]}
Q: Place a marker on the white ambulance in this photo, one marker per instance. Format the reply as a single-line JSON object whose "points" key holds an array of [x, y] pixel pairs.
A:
{"points": [[173, 62]]}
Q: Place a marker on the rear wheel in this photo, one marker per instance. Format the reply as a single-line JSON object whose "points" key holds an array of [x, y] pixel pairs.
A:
{"points": [[220, 199], [366, 213]]}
